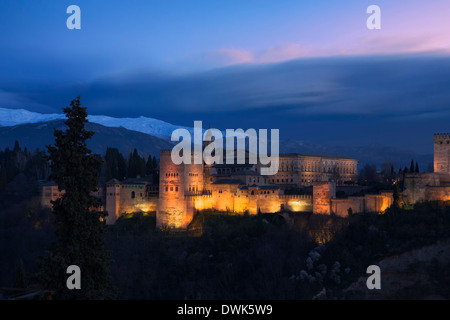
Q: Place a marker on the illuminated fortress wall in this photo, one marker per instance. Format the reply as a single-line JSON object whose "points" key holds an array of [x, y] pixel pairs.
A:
{"points": [[264, 203], [340, 207], [378, 202], [187, 188], [420, 187], [368, 203]]}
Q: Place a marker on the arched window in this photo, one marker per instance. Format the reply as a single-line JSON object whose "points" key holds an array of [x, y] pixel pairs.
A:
{"points": [[133, 195]]}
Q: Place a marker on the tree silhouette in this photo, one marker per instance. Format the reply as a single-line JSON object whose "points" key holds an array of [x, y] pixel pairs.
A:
{"points": [[79, 225]]}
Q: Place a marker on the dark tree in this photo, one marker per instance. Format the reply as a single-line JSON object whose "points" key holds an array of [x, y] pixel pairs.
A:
{"points": [[3, 179], [411, 167], [20, 281], [136, 165], [154, 163], [417, 167], [368, 174], [115, 164], [16, 146], [149, 166], [79, 227]]}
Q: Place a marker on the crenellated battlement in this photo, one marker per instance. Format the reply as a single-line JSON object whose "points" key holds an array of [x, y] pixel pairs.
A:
{"points": [[198, 196], [441, 136]]}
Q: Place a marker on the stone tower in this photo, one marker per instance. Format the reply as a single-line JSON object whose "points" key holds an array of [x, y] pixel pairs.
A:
{"points": [[171, 211], [442, 153], [112, 200], [323, 192]]}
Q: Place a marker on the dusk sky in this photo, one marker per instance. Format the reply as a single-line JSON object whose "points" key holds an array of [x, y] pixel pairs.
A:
{"points": [[310, 68]]}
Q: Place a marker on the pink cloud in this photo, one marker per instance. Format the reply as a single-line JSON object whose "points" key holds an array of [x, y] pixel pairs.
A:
{"points": [[370, 45], [281, 53], [231, 56]]}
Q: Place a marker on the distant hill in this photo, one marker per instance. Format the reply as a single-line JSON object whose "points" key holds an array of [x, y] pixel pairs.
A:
{"points": [[149, 135], [38, 135]]}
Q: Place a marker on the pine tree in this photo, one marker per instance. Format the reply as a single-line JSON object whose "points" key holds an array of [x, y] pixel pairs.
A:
{"points": [[417, 168], [16, 147], [136, 165], [154, 163], [411, 167], [121, 167], [3, 178], [79, 228], [131, 171], [149, 166]]}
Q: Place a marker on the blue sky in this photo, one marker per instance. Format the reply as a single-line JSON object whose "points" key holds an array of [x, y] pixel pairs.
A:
{"points": [[293, 65]]}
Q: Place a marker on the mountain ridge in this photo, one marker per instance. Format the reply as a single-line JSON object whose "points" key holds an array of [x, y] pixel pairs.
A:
{"points": [[38, 135], [150, 135]]}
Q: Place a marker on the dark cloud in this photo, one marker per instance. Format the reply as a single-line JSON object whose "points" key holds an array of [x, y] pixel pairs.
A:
{"points": [[388, 99]]}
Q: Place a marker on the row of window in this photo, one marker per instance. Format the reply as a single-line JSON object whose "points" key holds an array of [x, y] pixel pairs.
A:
{"points": [[318, 169], [282, 180], [133, 195], [230, 170], [171, 174], [171, 189], [132, 187]]}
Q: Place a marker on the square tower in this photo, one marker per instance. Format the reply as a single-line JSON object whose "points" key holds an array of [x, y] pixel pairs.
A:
{"points": [[442, 153], [323, 192]]}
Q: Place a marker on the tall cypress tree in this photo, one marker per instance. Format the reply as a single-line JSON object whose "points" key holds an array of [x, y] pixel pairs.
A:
{"points": [[149, 166], [154, 163], [79, 226], [136, 165]]}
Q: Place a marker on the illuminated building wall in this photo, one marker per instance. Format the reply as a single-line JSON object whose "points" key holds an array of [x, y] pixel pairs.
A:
{"points": [[304, 170], [193, 178], [172, 208]]}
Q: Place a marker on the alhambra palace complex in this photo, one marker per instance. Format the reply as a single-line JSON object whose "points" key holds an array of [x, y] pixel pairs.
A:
{"points": [[187, 188]]}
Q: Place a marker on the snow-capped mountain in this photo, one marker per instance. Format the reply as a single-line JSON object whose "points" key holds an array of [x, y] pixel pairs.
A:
{"points": [[37, 137], [13, 117], [154, 127]]}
